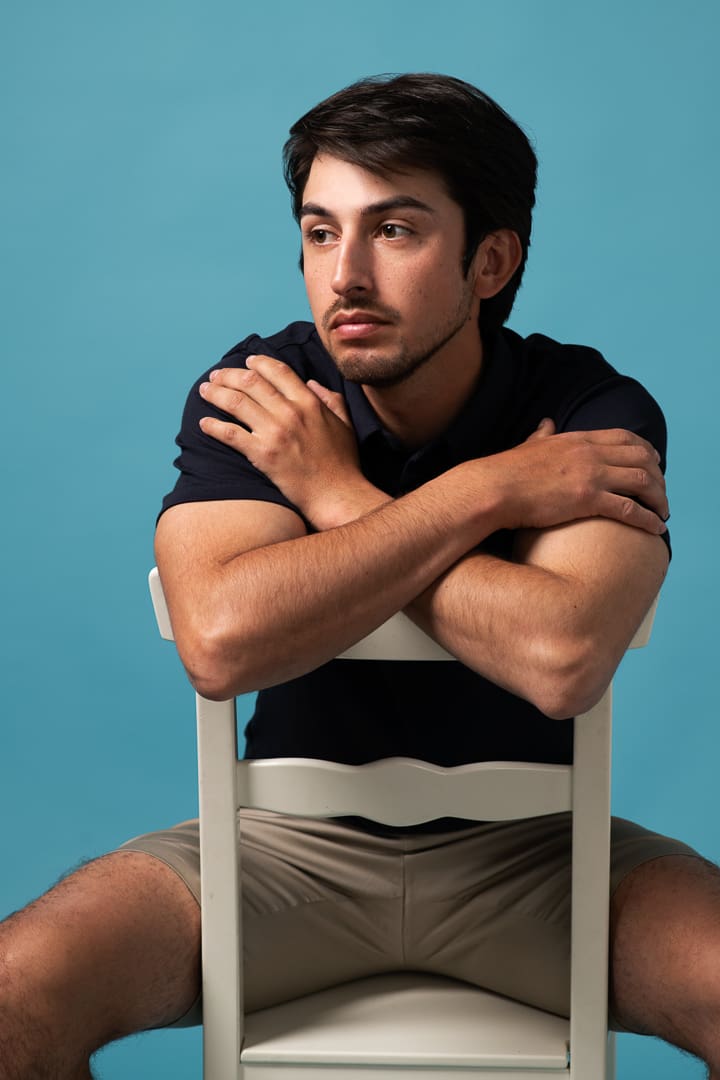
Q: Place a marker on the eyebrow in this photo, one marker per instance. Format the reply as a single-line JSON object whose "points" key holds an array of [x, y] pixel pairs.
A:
{"points": [[394, 202]]}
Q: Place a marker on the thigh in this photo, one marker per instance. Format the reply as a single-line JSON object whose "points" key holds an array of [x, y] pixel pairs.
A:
{"points": [[492, 905], [112, 949], [665, 922], [322, 902]]}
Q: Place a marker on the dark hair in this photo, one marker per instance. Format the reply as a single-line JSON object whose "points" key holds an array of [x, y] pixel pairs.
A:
{"points": [[392, 123]]}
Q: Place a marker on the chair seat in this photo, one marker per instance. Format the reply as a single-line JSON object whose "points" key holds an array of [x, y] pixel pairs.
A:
{"points": [[393, 1025]]}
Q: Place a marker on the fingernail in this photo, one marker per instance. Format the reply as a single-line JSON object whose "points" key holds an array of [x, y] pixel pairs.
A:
{"points": [[203, 387], [249, 358], [213, 374]]}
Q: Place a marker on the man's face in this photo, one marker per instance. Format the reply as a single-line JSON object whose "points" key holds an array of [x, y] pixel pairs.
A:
{"points": [[383, 270]]}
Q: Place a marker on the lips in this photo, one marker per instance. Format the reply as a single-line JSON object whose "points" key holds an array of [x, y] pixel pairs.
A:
{"points": [[355, 318], [354, 325]]}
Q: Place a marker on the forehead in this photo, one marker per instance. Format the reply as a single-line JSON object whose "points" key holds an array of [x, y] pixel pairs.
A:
{"points": [[344, 187]]}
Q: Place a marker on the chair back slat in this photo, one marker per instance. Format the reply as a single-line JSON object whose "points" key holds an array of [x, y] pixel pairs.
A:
{"points": [[397, 639], [404, 791]]}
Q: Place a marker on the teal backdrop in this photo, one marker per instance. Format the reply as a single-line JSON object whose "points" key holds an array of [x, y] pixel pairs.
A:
{"points": [[145, 229]]}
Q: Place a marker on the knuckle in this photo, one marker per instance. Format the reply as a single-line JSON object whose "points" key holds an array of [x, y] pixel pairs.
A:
{"points": [[585, 493], [642, 479], [628, 508], [278, 437], [289, 416], [648, 457], [249, 377]]}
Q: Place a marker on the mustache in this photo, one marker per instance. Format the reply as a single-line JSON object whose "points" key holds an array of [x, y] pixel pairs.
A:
{"points": [[378, 311]]}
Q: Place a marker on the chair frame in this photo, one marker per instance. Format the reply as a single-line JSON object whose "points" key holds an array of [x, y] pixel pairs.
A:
{"points": [[485, 791]]}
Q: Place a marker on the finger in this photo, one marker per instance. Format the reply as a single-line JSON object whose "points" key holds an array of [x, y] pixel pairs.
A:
{"points": [[625, 509], [230, 434], [545, 427], [278, 375], [245, 381], [635, 471], [331, 399], [236, 403], [619, 437], [640, 484]]}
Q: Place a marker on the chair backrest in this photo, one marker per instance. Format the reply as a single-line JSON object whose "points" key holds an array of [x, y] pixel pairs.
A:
{"points": [[401, 791]]}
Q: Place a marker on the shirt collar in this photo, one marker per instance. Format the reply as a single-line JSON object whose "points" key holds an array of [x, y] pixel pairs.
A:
{"points": [[476, 428]]}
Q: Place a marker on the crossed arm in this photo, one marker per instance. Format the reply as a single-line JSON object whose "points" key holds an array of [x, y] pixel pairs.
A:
{"points": [[255, 600]]}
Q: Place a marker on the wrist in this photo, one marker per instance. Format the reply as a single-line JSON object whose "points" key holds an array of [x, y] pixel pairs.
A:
{"points": [[340, 506], [483, 494]]}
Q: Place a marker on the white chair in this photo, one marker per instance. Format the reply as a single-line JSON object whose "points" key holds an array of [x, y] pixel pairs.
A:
{"points": [[396, 1027]]}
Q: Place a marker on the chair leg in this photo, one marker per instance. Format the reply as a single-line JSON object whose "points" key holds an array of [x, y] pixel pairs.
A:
{"points": [[611, 1056]]}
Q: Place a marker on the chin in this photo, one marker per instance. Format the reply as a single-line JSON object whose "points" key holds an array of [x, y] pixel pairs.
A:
{"points": [[372, 371], [377, 370]]}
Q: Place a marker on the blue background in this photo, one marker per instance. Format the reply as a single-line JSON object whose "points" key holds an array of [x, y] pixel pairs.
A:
{"points": [[146, 229]]}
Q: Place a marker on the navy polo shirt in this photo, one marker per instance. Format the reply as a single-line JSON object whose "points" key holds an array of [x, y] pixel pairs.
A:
{"points": [[357, 711]]}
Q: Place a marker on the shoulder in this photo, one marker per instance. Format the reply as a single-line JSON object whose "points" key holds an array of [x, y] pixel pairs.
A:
{"points": [[577, 387], [541, 360], [298, 346], [212, 471]]}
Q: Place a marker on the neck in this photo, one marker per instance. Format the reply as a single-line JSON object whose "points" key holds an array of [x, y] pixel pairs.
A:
{"points": [[423, 406]]}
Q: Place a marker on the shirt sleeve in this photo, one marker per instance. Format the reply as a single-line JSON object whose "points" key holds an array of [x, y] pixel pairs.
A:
{"points": [[210, 470], [620, 402]]}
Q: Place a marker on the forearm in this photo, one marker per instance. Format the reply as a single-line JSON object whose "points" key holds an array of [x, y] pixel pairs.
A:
{"points": [[519, 626], [275, 612], [555, 633]]}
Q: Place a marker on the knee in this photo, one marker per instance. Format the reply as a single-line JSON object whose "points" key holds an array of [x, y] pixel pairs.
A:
{"points": [[26, 967], [666, 954], [28, 1039], [39, 1032]]}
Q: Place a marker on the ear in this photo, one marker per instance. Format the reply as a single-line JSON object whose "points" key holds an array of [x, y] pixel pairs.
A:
{"points": [[495, 261]]}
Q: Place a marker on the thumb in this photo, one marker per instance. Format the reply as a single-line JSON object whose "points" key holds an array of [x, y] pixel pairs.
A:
{"points": [[545, 427], [331, 399]]}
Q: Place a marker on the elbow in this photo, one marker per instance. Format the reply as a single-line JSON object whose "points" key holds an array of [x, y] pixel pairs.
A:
{"points": [[569, 677], [211, 679], [211, 685], [214, 664]]}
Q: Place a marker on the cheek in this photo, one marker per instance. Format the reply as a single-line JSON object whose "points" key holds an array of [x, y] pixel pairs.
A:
{"points": [[429, 287], [315, 289]]}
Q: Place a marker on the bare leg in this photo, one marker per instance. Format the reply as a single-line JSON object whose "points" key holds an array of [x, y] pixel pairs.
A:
{"points": [[112, 949], [665, 942]]}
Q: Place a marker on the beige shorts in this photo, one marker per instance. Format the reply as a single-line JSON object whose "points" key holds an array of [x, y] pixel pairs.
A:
{"points": [[324, 903]]}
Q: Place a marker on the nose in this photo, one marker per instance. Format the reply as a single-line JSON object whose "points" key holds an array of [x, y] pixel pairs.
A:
{"points": [[353, 267]]}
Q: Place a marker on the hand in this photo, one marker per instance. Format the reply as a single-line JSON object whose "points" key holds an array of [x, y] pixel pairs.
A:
{"points": [[298, 434], [554, 478]]}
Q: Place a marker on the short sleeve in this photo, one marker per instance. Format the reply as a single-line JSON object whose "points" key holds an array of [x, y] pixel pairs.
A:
{"points": [[210, 470], [620, 402]]}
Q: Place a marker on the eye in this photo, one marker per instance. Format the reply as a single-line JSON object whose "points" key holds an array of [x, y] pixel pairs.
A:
{"points": [[390, 231], [320, 237]]}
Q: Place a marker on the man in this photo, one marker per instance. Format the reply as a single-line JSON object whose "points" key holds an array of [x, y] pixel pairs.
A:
{"points": [[404, 452]]}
